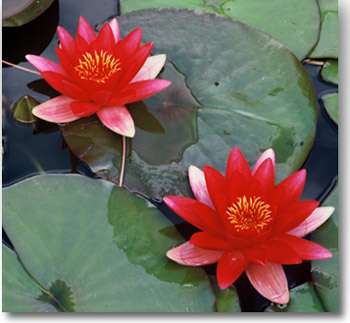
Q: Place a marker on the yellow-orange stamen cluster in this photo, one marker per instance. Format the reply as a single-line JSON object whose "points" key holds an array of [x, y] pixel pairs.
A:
{"points": [[249, 213], [97, 66]]}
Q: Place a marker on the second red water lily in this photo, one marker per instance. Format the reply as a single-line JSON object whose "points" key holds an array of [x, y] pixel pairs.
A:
{"points": [[249, 224], [99, 74]]}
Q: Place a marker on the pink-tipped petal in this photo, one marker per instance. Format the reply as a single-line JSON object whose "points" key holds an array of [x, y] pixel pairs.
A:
{"points": [[151, 68], [118, 119], [85, 30], [45, 65], [269, 153], [57, 110], [189, 255], [270, 281], [199, 186], [115, 29], [66, 40], [315, 220]]}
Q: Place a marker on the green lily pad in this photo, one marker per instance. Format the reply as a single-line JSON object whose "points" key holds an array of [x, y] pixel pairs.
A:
{"points": [[227, 301], [20, 292], [303, 299], [97, 248], [327, 46], [22, 109], [19, 12], [295, 23], [329, 71], [331, 103], [325, 273], [226, 91]]}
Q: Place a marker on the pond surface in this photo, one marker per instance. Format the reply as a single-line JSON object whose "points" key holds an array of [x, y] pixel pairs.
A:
{"points": [[34, 149]]}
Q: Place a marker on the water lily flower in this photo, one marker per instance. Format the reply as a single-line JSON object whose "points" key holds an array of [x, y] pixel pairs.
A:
{"points": [[99, 74], [249, 224]]}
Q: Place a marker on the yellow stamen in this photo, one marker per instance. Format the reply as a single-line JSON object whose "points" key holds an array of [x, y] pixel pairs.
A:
{"points": [[249, 213], [97, 66]]}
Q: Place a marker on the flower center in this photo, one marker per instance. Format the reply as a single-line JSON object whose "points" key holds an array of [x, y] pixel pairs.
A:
{"points": [[97, 66], [249, 213]]}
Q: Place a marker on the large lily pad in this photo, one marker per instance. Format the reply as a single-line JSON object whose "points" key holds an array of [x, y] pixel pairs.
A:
{"points": [[327, 46], [331, 103], [329, 71], [303, 299], [325, 273], [19, 12], [97, 248], [294, 23], [242, 88]]}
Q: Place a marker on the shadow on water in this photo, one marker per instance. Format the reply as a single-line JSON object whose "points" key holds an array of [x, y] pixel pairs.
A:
{"points": [[31, 150]]}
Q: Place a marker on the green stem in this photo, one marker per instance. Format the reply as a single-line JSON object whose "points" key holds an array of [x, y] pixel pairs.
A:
{"points": [[122, 162], [20, 67]]}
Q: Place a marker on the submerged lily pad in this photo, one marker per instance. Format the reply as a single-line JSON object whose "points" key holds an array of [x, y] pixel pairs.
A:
{"points": [[330, 71], [327, 46], [97, 248], [242, 88], [303, 299], [325, 273], [19, 12], [331, 103], [294, 23], [22, 109]]}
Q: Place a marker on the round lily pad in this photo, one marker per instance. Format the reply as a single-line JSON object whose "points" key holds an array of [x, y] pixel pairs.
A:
{"points": [[325, 273], [240, 88], [93, 247], [19, 12], [294, 23]]}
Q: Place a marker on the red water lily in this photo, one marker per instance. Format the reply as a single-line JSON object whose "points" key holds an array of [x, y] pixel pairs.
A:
{"points": [[247, 223], [99, 74]]}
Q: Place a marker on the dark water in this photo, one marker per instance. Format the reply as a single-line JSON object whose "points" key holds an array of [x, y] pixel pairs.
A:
{"points": [[29, 150]]}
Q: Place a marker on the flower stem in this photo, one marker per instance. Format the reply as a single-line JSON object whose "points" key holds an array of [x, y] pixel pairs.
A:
{"points": [[20, 67], [122, 162]]}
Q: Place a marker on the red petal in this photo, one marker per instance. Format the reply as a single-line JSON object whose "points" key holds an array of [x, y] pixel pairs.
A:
{"points": [[312, 222], [279, 252], [199, 186], [270, 281], [67, 41], [267, 154], [217, 188], [265, 174], [292, 187], [230, 267], [62, 85], [307, 250], [194, 212], [105, 39], [131, 42], [294, 214], [84, 109], [57, 110], [118, 119], [85, 30], [189, 255], [115, 29], [236, 162], [208, 241], [141, 90]]}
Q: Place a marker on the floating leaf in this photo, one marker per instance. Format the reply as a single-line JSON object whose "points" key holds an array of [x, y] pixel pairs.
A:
{"points": [[325, 273], [294, 23], [330, 71], [99, 247], [19, 12], [242, 88], [20, 292], [327, 46], [303, 299], [22, 109], [227, 301], [331, 103]]}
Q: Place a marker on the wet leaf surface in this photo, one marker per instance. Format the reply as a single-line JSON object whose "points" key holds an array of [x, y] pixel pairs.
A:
{"points": [[105, 254], [325, 274], [330, 71], [295, 23], [22, 110], [238, 98], [331, 103]]}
